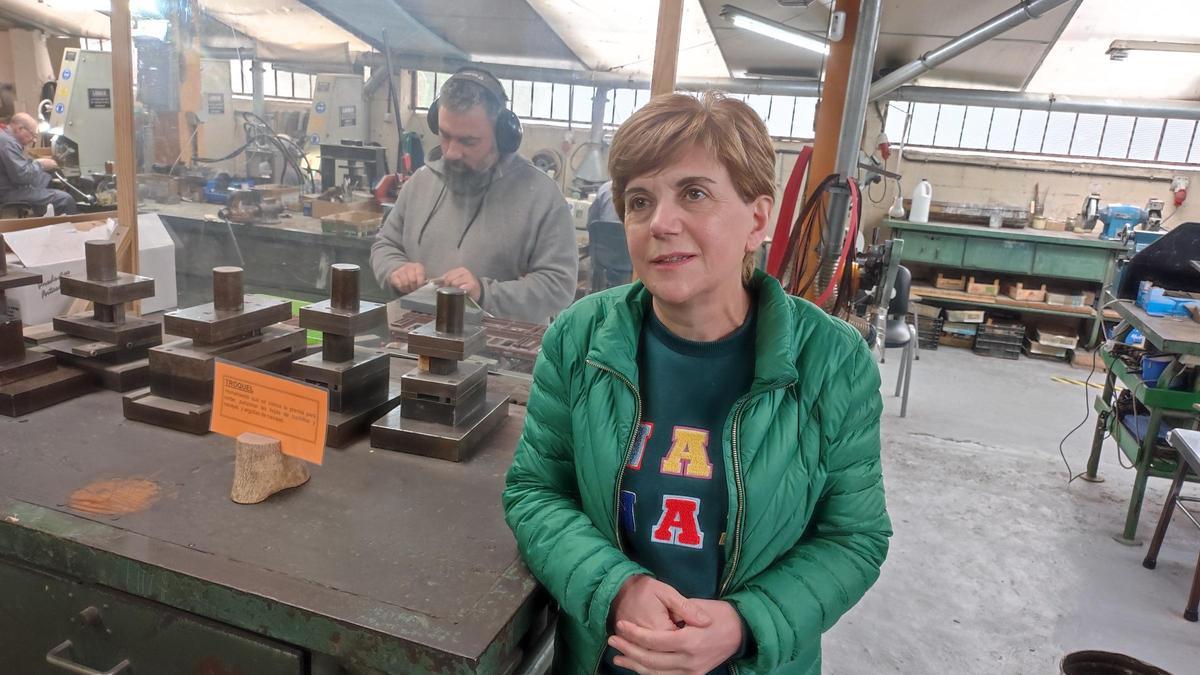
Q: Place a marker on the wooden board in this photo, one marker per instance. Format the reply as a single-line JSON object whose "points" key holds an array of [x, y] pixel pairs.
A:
{"points": [[941, 294], [18, 224]]}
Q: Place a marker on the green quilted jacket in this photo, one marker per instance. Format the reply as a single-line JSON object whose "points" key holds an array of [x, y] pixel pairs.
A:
{"points": [[807, 529]]}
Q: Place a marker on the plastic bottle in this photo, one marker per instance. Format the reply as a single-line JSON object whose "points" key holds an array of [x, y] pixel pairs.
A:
{"points": [[921, 197], [897, 210]]}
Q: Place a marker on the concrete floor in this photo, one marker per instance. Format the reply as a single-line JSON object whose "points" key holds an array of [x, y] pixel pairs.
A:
{"points": [[996, 565]]}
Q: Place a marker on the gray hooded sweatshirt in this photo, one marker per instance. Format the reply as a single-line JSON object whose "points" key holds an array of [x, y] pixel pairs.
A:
{"points": [[521, 245]]}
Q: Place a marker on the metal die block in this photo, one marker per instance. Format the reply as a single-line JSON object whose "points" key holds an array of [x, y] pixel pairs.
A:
{"points": [[29, 365], [207, 325], [125, 288], [95, 350], [42, 391], [124, 375], [445, 388], [188, 359], [427, 341], [436, 366], [18, 279], [143, 406], [348, 424], [127, 335], [418, 407], [454, 444], [367, 365], [322, 316], [12, 340]]}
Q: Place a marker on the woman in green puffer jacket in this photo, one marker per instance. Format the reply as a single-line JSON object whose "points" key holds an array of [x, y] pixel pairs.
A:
{"points": [[698, 482]]}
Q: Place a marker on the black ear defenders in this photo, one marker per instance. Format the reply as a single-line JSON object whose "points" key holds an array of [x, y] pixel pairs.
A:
{"points": [[508, 125]]}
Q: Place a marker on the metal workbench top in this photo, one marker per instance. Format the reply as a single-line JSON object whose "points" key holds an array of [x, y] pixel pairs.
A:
{"points": [[1083, 239], [1173, 334], [384, 560]]}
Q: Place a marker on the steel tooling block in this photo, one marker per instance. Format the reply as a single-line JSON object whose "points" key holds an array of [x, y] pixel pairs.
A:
{"points": [[347, 425], [42, 391], [208, 325], [143, 406], [127, 374], [133, 332], [445, 388], [98, 350], [200, 390], [427, 341], [185, 360], [367, 365], [324, 317], [416, 407], [18, 279], [455, 444], [29, 365], [125, 288]]}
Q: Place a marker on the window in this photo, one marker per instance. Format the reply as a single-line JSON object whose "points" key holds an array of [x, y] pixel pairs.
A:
{"points": [[789, 117], [283, 84], [95, 44], [1056, 134]]}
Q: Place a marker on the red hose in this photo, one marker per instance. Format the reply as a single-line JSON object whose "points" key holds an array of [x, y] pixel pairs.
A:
{"points": [[847, 246], [783, 224]]}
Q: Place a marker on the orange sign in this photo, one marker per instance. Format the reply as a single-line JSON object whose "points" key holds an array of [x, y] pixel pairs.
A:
{"points": [[245, 399]]}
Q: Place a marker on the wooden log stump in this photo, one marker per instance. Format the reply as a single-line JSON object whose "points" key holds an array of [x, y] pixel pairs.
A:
{"points": [[261, 469]]}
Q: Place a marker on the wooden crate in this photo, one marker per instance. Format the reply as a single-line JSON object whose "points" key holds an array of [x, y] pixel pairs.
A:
{"points": [[353, 223], [949, 283], [1018, 291], [980, 288]]}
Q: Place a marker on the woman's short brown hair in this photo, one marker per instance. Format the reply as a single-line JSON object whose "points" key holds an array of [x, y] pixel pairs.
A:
{"points": [[670, 125]]}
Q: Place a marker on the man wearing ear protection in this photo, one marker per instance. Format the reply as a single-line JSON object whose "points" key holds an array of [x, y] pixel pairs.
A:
{"points": [[478, 215]]}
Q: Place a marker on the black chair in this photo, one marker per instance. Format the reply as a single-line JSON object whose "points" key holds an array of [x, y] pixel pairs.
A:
{"points": [[899, 333], [609, 253]]}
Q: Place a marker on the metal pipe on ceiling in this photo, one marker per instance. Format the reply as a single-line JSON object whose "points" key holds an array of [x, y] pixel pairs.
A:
{"points": [[1026, 10], [1168, 108]]}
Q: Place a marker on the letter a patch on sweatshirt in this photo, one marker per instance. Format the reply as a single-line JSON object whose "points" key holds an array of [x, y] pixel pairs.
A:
{"points": [[688, 455], [679, 523]]}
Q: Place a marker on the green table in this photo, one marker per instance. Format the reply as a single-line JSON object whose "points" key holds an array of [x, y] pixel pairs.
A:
{"points": [[1033, 253], [1181, 338]]}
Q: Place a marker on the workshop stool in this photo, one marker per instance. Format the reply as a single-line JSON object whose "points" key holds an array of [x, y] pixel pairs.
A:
{"points": [[900, 333], [1188, 461]]}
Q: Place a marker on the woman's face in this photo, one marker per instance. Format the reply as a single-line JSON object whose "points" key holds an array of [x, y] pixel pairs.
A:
{"points": [[688, 230]]}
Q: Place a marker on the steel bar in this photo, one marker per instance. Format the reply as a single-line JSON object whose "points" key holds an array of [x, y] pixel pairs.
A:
{"points": [[1024, 11], [343, 292], [100, 259], [227, 288]]}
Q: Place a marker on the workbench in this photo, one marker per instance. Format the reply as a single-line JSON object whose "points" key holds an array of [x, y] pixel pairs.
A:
{"points": [[1178, 336], [383, 562], [1040, 254]]}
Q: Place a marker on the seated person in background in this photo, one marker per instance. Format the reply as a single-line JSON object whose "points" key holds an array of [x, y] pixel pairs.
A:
{"points": [[23, 179], [602, 207], [478, 216]]}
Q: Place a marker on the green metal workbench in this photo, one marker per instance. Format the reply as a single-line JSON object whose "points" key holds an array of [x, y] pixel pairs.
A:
{"points": [[1178, 336], [1039, 254], [383, 562]]}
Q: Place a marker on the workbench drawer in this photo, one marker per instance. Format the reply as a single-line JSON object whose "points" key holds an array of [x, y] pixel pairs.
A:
{"points": [[99, 628], [1071, 262], [932, 248], [999, 255]]}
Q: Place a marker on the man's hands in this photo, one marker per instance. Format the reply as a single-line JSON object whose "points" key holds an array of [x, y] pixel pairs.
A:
{"points": [[408, 277], [461, 277], [697, 647], [47, 163], [411, 276]]}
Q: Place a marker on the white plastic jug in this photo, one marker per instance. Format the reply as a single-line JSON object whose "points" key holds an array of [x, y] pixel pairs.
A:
{"points": [[921, 196]]}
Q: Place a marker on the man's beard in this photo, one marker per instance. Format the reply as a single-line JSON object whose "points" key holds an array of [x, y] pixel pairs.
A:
{"points": [[463, 180]]}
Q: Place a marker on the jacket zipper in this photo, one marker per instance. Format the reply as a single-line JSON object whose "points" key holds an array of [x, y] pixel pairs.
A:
{"points": [[637, 422]]}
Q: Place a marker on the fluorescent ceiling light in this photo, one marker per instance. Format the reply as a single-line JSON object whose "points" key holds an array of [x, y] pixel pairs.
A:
{"points": [[773, 29]]}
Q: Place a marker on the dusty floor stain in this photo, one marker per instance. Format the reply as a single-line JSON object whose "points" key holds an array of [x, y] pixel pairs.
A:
{"points": [[115, 497]]}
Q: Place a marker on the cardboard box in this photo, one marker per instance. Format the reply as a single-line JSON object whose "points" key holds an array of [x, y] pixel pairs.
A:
{"points": [[55, 251], [320, 208], [288, 195], [1056, 339], [965, 315]]}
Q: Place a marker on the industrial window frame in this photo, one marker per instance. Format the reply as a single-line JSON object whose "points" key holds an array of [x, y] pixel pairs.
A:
{"points": [[243, 87], [901, 113], [622, 103]]}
